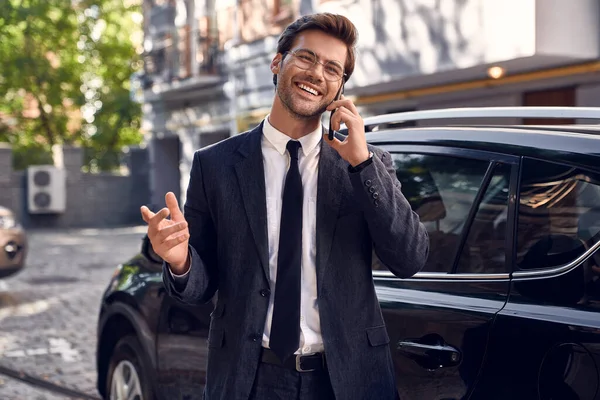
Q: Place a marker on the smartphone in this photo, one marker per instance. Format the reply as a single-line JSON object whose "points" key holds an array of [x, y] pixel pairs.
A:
{"points": [[337, 97]]}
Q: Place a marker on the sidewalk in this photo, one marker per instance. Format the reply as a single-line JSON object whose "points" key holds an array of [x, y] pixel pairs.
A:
{"points": [[48, 312]]}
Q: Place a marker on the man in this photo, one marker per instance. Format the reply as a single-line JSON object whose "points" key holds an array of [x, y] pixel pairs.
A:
{"points": [[283, 223]]}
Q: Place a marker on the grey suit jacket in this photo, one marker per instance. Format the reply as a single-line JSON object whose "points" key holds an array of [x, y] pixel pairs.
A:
{"points": [[356, 214]]}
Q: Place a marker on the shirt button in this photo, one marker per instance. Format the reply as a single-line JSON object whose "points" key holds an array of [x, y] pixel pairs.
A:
{"points": [[306, 349], [302, 318]]}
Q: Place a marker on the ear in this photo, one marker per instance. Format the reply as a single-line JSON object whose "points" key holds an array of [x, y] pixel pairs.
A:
{"points": [[276, 63]]}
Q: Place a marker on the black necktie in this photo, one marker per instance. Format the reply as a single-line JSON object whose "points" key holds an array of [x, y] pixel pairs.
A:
{"points": [[285, 326]]}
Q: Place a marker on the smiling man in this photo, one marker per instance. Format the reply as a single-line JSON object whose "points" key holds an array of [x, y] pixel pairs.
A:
{"points": [[283, 222]]}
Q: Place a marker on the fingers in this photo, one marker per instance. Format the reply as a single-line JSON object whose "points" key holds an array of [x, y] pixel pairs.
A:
{"points": [[154, 220], [146, 214], [342, 115], [349, 104], [151, 218], [172, 230], [170, 243], [173, 206], [159, 216], [343, 102]]}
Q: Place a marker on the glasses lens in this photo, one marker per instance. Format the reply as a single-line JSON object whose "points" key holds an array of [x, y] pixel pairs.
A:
{"points": [[333, 71], [304, 59]]}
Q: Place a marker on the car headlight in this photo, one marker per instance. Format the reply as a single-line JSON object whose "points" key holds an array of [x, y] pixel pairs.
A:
{"points": [[7, 222]]}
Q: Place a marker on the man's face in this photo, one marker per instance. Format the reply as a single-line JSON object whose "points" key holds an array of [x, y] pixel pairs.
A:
{"points": [[299, 101]]}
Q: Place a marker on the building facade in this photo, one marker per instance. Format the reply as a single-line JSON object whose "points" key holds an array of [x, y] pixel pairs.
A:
{"points": [[207, 73]]}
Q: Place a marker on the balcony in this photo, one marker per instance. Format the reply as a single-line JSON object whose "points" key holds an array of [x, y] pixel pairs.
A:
{"points": [[170, 65], [162, 20]]}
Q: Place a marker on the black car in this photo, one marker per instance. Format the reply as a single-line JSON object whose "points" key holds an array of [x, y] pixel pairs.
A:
{"points": [[507, 306]]}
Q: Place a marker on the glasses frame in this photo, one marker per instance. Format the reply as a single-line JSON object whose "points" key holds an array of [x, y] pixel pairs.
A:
{"points": [[317, 61]]}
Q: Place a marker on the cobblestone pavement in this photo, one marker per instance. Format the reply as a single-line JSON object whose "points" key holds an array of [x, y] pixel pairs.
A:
{"points": [[49, 311], [11, 389]]}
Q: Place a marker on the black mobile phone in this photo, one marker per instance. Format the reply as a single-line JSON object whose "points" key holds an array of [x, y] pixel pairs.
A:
{"points": [[337, 97]]}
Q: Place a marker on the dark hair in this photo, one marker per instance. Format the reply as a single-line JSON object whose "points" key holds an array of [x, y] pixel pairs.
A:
{"points": [[335, 25]]}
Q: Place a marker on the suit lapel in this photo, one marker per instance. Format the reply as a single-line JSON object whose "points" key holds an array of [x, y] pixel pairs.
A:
{"points": [[251, 179], [329, 196]]}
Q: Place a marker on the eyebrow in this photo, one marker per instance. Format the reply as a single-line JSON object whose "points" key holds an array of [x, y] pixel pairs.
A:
{"points": [[318, 56]]}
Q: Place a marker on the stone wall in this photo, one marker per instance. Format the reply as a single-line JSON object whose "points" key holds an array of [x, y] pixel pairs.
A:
{"points": [[93, 200]]}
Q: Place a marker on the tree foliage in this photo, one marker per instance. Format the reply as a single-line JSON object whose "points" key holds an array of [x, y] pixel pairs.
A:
{"points": [[65, 68]]}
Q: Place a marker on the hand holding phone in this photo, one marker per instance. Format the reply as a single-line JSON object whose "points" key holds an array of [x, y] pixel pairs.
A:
{"points": [[337, 97]]}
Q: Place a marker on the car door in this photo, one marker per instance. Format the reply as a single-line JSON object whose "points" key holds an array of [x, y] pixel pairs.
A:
{"points": [[546, 341], [182, 351], [439, 320]]}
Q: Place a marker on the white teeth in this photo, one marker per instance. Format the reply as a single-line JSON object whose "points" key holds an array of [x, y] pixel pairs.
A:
{"points": [[309, 90]]}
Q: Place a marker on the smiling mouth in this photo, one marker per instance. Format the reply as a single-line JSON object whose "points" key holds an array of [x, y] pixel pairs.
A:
{"points": [[308, 89]]}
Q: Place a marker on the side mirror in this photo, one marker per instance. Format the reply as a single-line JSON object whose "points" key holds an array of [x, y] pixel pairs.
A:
{"points": [[148, 251]]}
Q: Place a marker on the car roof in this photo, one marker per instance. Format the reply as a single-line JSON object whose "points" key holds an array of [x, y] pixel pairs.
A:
{"points": [[572, 147], [577, 144]]}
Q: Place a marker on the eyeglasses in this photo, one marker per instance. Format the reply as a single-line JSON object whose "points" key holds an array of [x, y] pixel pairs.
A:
{"points": [[306, 59]]}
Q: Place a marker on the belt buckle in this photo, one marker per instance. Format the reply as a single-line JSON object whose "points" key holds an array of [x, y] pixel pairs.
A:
{"points": [[299, 362]]}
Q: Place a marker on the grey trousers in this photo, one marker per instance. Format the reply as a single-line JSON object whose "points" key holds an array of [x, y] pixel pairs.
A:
{"points": [[274, 382]]}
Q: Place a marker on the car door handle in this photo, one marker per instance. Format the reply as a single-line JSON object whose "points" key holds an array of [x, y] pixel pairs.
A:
{"points": [[430, 352]]}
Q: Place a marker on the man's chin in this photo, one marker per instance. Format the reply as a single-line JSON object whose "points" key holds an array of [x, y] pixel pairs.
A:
{"points": [[308, 113]]}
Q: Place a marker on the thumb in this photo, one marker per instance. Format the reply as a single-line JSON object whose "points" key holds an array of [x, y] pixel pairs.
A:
{"points": [[335, 142], [173, 206]]}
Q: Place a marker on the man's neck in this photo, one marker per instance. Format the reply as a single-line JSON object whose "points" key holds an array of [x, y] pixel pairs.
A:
{"points": [[281, 119]]}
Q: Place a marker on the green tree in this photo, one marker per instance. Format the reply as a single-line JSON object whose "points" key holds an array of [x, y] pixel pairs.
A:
{"points": [[65, 70]]}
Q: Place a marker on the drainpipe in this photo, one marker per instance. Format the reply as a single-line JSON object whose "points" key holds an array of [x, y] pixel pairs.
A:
{"points": [[231, 65], [194, 37]]}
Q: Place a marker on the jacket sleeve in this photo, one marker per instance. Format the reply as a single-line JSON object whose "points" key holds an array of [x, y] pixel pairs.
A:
{"points": [[199, 285], [400, 240]]}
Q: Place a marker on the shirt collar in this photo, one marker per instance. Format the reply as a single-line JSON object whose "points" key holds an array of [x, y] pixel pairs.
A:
{"points": [[279, 139]]}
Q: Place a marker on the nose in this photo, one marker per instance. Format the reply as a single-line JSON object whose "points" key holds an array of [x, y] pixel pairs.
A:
{"points": [[316, 70]]}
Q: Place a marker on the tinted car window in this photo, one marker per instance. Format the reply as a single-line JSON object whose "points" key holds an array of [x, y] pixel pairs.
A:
{"points": [[485, 249], [559, 214], [441, 189]]}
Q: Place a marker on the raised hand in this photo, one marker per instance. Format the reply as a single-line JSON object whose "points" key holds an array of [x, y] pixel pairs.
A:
{"points": [[169, 237], [354, 149]]}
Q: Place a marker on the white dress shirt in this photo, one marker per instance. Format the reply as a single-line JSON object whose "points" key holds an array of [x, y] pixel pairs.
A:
{"points": [[276, 161]]}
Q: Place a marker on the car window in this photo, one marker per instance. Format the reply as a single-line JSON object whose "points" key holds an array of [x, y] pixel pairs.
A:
{"points": [[441, 189], [559, 214], [485, 248]]}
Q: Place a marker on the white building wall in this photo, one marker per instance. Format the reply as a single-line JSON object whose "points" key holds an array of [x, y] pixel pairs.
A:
{"points": [[424, 43]]}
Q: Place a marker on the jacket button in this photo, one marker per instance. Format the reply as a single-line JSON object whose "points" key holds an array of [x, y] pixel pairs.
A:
{"points": [[368, 183], [255, 337], [265, 293]]}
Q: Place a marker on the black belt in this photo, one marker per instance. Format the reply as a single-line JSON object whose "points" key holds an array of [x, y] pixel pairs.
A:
{"points": [[297, 362]]}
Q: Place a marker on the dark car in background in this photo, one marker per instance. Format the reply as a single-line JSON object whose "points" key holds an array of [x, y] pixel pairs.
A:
{"points": [[507, 306], [13, 244]]}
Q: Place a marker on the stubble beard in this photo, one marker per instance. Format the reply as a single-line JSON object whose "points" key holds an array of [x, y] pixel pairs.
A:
{"points": [[285, 93]]}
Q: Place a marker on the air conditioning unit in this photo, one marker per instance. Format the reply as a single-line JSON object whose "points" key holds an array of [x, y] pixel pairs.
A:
{"points": [[46, 189]]}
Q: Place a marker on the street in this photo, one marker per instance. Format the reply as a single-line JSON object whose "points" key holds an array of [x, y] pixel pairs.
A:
{"points": [[48, 312]]}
